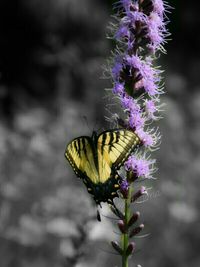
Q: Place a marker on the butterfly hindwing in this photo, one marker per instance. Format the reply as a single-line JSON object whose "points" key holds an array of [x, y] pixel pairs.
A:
{"points": [[114, 147]]}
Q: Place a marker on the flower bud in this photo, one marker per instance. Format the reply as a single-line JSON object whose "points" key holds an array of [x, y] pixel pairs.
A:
{"points": [[136, 230], [116, 246], [133, 218], [139, 193], [130, 249], [121, 226]]}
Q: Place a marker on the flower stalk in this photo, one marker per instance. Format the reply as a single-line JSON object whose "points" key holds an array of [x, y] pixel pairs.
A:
{"points": [[125, 236], [140, 33]]}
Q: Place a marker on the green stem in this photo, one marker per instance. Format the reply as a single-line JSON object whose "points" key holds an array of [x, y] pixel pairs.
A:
{"points": [[125, 236]]}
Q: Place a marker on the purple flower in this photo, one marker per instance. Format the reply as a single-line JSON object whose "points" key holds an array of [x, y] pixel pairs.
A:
{"points": [[122, 32], [126, 102], [158, 7], [136, 16], [156, 30], [118, 88], [134, 61], [124, 187], [150, 87], [155, 21], [150, 108], [140, 166], [117, 68], [130, 104], [143, 190], [149, 75], [146, 138], [136, 121]]}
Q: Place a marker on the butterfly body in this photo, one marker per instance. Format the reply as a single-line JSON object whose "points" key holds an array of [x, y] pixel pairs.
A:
{"points": [[96, 160], [103, 192]]}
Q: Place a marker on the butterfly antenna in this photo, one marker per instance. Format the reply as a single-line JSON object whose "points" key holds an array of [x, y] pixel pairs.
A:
{"points": [[109, 252], [142, 236], [95, 125], [111, 218], [117, 233], [85, 120]]}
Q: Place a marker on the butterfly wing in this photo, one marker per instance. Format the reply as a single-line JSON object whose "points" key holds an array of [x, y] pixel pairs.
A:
{"points": [[113, 148], [80, 155]]}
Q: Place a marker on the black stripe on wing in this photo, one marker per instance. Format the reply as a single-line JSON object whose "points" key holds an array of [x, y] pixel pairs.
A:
{"points": [[122, 140], [75, 147]]}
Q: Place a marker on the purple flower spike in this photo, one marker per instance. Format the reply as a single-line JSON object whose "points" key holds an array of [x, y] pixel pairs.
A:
{"points": [[140, 33], [141, 29]]}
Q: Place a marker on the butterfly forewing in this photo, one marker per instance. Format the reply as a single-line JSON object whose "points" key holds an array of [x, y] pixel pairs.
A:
{"points": [[80, 155], [113, 148]]}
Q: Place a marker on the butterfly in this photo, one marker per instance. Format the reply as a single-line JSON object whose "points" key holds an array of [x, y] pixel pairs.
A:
{"points": [[97, 159]]}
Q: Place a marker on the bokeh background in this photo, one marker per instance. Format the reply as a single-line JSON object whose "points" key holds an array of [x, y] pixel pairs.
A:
{"points": [[51, 57]]}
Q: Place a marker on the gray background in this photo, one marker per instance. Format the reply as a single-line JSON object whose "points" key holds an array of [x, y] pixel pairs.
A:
{"points": [[51, 57]]}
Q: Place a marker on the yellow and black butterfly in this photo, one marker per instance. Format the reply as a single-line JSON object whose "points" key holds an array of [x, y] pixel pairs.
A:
{"points": [[96, 160]]}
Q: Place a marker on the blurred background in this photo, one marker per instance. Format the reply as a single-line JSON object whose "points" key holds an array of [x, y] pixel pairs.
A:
{"points": [[51, 57]]}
